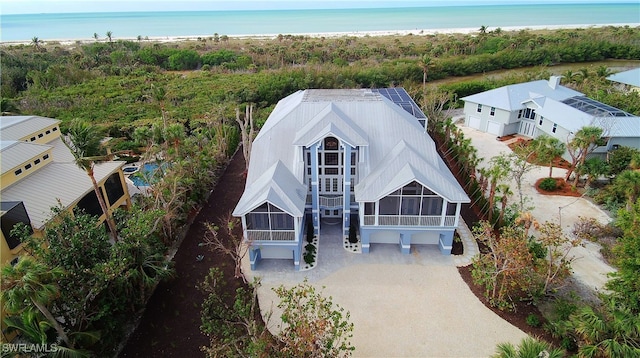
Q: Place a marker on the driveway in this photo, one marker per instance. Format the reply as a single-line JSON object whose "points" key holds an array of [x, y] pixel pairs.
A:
{"points": [[413, 305], [588, 268]]}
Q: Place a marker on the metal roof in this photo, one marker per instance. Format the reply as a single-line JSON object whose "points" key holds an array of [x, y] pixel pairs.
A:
{"points": [[400, 97], [631, 77], [358, 114], [595, 108], [277, 186], [14, 153], [66, 182], [572, 118], [18, 127], [511, 97]]}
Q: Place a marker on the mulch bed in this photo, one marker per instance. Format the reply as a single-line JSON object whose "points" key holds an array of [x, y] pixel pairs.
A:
{"points": [[170, 325], [562, 188]]}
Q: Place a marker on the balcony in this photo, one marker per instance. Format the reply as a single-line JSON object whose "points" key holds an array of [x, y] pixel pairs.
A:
{"points": [[409, 220], [276, 235]]}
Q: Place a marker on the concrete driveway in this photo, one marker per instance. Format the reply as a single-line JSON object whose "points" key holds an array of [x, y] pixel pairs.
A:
{"points": [[413, 305], [588, 268]]}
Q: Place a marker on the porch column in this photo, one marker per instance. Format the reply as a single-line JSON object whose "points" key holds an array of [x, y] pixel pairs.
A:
{"points": [[364, 240], [346, 189], [443, 212], [445, 243], [458, 207], [315, 192], [405, 243]]}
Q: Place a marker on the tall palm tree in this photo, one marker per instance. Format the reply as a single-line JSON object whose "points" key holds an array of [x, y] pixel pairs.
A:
{"points": [[504, 199], [109, 35], [31, 283], [84, 142], [424, 63]]}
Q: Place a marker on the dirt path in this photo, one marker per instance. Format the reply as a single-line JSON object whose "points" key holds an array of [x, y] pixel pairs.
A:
{"points": [[170, 326]]}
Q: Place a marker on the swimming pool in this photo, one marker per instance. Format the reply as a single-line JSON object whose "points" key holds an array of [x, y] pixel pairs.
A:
{"points": [[148, 173]]}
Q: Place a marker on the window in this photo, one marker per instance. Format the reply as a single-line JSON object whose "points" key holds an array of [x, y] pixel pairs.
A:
{"points": [[389, 205], [493, 111], [479, 109], [541, 119], [451, 209], [48, 132], [55, 129], [33, 138], [45, 157], [13, 214], [331, 159], [40, 135], [90, 205], [269, 217], [113, 187], [36, 162], [520, 114], [369, 208], [412, 200], [555, 127], [18, 172], [27, 167]]}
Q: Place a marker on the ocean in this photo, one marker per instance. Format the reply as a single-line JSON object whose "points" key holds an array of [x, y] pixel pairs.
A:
{"points": [[82, 26]]}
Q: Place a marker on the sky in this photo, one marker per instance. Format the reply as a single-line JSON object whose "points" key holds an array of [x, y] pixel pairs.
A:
{"points": [[65, 6]]}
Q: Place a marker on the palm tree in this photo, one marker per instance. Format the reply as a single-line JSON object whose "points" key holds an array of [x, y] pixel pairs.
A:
{"points": [[483, 30], [628, 183], [96, 36], [583, 142], [84, 142], [424, 63], [109, 35], [527, 220], [547, 149], [498, 171], [504, 198], [528, 348], [35, 41], [32, 283]]}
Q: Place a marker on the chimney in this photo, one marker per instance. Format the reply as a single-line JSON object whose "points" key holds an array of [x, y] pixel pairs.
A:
{"points": [[554, 81]]}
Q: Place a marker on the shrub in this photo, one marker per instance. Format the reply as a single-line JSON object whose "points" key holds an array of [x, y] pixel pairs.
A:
{"points": [[309, 257], [310, 248], [310, 231], [548, 184], [533, 320], [353, 238]]}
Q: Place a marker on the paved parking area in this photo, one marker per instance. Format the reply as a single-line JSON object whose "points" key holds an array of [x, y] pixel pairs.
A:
{"points": [[413, 305]]}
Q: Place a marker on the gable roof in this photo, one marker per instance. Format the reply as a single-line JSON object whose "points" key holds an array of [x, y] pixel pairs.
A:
{"points": [[14, 153], [41, 190], [277, 186], [511, 97], [631, 77], [358, 117], [402, 166], [18, 127]]}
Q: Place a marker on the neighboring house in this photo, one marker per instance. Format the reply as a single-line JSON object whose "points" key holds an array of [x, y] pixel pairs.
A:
{"points": [[352, 156], [629, 79], [545, 107], [39, 172]]}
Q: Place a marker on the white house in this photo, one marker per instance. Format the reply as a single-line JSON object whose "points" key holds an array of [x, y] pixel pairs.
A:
{"points": [[545, 107], [357, 156], [629, 79]]}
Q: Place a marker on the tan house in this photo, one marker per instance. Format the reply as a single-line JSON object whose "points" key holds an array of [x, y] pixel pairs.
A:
{"points": [[38, 173]]}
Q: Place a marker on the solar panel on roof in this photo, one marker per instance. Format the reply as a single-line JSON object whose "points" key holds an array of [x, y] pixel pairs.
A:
{"points": [[400, 97]]}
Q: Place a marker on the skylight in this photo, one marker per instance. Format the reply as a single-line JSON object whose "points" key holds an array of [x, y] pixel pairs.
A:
{"points": [[594, 108]]}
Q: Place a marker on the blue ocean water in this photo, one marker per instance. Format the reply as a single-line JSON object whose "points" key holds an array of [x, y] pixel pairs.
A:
{"points": [[271, 22]]}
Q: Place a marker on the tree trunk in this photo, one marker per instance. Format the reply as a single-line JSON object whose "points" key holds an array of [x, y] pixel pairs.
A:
{"points": [[56, 325], [108, 218]]}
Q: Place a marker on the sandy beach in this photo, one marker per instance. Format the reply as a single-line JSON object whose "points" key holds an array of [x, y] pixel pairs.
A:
{"points": [[419, 32]]}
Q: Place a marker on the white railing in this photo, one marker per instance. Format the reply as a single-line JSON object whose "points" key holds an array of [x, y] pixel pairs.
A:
{"points": [[276, 235], [409, 220], [329, 202]]}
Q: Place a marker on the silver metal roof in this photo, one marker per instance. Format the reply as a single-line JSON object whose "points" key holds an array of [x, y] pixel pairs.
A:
{"points": [[511, 97], [352, 115], [18, 127], [66, 182], [14, 153], [631, 77]]}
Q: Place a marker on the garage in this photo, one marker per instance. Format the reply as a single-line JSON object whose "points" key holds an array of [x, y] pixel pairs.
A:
{"points": [[494, 128], [474, 122]]}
